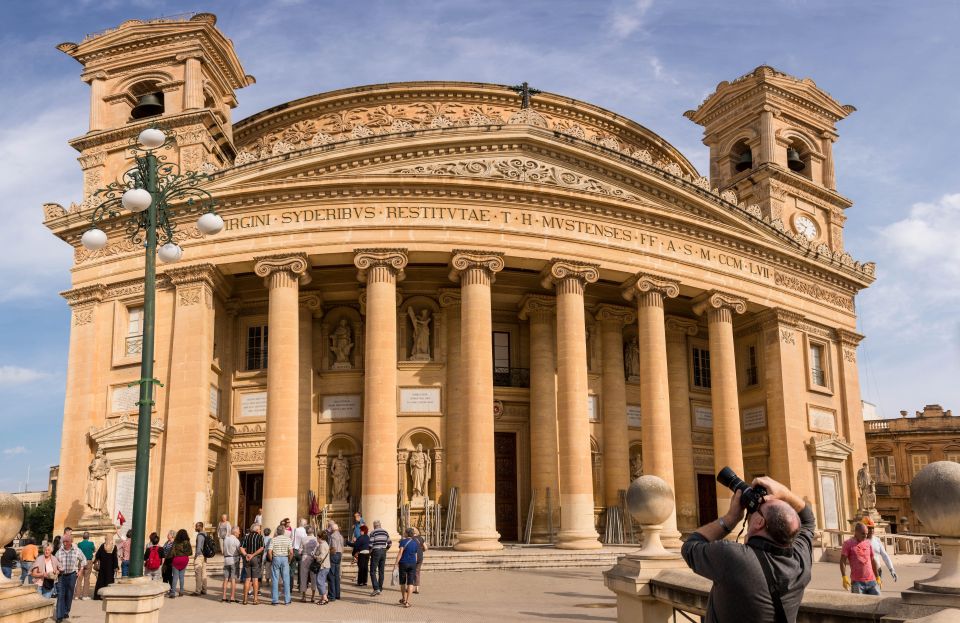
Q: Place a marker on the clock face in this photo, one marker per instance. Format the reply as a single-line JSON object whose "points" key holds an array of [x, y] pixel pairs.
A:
{"points": [[806, 227]]}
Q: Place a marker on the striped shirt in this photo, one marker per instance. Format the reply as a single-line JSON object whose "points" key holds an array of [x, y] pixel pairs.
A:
{"points": [[280, 545], [71, 560], [380, 539], [252, 542]]}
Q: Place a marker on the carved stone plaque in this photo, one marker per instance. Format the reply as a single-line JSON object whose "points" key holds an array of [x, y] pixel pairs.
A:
{"points": [[341, 407], [754, 417], [593, 407], [419, 400], [214, 401], [124, 399], [123, 496], [822, 420], [253, 404], [702, 416], [633, 416]]}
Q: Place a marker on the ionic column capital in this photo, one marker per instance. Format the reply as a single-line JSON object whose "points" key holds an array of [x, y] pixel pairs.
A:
{"points": [[382, 263], [717, 301], [537, 306], [475, 263], [84, 294], [313, 302], [296, 264], [681, 327], [657, 288], [449, 297], [569, 273], [614, 314]]}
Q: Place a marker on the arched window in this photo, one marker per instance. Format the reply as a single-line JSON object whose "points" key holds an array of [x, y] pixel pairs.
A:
{"points": [[741, 158], [798, 158]]}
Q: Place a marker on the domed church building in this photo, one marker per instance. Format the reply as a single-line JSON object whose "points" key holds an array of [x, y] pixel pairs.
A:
{"points": [[447, 295]]}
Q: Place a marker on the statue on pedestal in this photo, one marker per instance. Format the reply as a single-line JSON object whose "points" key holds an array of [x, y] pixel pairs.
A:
{"points": [[867, 487], [341, 343], [420, 350], [636, 466], [340, 472], [420, 469], [631, 360], [97, 484]]}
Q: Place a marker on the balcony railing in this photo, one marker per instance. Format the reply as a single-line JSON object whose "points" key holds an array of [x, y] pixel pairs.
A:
{"points": [[134, 345], [511, 377]]}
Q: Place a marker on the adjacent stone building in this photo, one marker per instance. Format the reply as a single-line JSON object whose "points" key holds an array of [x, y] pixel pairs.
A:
{"points": [[899, 448], [429, 285]]}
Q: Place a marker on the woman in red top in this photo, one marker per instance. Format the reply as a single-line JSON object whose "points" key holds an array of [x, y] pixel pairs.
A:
{"points": [[179, 556]]}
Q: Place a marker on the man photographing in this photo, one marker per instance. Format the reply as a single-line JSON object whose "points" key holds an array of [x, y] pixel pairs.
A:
{"points": [[762, 580]]}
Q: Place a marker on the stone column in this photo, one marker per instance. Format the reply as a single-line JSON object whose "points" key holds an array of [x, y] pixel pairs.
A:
{"points": [[310, 303], [98, 107], [453, 433], [187, 427], [544, 465], [826, 143], [849, 381], [193, 86], [681, 432], [616, 443], [577, 527], [768, 139], [475, 270], [655, 421], [80, 408], [724, 393], [380, 269], [283, 275]]}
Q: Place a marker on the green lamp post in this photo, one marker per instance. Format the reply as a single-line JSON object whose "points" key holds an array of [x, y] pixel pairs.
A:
{"points": [[146, 191]]}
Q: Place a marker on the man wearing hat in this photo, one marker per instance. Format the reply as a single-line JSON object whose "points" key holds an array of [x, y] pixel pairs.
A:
{"points": [[879, 551]]}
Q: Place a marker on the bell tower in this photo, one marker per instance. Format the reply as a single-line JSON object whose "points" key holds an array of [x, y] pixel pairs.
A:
{"points": [[770, 137], [181, 73]]}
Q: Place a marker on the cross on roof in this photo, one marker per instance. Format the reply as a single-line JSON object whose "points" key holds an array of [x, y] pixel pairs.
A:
{"points": [[524, 91]]}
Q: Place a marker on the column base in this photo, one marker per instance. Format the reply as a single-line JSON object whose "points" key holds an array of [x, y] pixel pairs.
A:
{"points": [[478, 541], [23, 604], [133, 600], [573, 539]]}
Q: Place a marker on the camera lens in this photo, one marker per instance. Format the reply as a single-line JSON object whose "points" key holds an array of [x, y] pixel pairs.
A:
{"points": [[729, 479]]}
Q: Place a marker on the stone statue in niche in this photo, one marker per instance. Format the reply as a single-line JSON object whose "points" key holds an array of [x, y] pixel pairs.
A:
{"points": [[636, 466], [420, 349], [867, 488], [631, 360], [341, 343], [97, 484], [420, 469], [340, 472]]}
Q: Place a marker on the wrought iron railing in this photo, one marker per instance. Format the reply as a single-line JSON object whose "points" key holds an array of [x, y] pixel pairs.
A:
{"points": [[511, 377]]}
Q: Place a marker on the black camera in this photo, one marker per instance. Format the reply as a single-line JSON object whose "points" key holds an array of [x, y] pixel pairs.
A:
{"points": [[750, 497]]}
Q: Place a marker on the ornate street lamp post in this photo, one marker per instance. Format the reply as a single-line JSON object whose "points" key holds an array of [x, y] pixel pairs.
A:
{"points": [[146, 191]]}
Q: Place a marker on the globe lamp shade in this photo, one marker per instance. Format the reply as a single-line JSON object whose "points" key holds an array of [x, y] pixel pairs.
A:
{"points": [[210, 223], [94, 239], [151, 138], [170, 253], [136, 199]]}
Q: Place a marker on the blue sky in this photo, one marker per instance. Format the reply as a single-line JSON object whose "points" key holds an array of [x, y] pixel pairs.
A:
{"points": [[649, 60]]}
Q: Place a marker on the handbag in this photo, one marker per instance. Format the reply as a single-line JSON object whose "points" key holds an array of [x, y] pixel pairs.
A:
{"points": [[395, 577], [316, 565], [48, 584]]}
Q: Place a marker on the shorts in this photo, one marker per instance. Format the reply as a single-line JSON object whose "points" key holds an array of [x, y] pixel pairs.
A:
{"points": [[231, 570], [408, 574], [254, 568]]}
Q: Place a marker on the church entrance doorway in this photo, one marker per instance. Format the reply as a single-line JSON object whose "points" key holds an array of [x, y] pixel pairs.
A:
{"points": [[251, 498], [505, 464], [706, 498]]}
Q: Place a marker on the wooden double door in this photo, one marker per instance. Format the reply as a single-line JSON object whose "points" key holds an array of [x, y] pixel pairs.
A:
{"points": [[505, 480], [251, 497]]}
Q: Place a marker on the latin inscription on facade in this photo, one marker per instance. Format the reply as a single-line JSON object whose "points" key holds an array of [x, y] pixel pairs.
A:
{"points": [[823, 420], [342, 407], [754, 418], [702, 417], [123, 496], [214, 401], [253, 404], [593, 410], [124, 399], [633, 416], [419, 400]]}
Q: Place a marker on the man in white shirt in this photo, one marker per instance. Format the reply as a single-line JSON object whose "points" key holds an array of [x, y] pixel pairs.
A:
{"points": [[299, 538], [231, 564], [879, 551]]}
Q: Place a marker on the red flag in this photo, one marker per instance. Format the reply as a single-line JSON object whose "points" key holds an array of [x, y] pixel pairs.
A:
{"points": [[121, 518]]}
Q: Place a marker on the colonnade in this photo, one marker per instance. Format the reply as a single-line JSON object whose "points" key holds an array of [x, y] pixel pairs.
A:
{"points": [[559, 422]]}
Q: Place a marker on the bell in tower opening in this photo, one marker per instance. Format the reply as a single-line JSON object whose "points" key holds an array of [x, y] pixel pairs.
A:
{"points": [[149, 105], [793, 160]]}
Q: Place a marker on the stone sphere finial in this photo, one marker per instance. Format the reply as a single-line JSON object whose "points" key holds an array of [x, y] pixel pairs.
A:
{"points": [[11, 517], [650, 500], [935, 497]]}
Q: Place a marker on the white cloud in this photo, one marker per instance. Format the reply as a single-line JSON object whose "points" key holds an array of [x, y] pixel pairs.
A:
{"points": [[628, 17], [927, 239], [15, 450], [15, 375]]}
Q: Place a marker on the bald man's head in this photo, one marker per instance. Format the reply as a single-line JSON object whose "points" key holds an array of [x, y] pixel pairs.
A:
{"points": [[782, 522]]}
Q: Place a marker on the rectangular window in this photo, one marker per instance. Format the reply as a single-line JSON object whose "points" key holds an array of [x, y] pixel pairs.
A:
{"points": [[701, 367], [133, 341], [818, 372], [501, 351], [753, 374], [918, 462], [884, 469], [256, 348]]}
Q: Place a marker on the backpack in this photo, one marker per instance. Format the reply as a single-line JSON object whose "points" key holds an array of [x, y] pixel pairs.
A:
{"points": [[153, 558], [207, 548]]}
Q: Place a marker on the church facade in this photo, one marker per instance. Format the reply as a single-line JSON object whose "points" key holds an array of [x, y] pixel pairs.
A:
{"points": [[434, 285]]}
